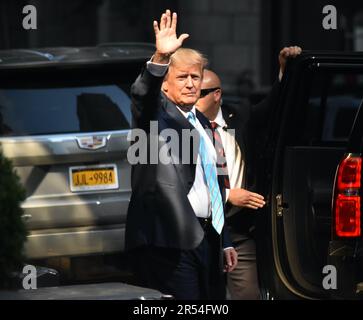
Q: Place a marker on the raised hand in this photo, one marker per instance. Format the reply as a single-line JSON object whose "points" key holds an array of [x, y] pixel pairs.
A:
{"points": [[167, 41], [285, 53]]}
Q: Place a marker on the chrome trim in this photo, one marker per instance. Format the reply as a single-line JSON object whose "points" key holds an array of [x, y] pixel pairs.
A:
{"points": [[60, 137]]}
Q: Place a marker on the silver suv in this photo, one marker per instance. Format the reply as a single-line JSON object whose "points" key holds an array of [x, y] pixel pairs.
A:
{"points": [[64, 120]]}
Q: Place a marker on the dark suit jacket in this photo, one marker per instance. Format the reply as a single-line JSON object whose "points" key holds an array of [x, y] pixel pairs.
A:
{"points": [[251, 124], [159, 212]]}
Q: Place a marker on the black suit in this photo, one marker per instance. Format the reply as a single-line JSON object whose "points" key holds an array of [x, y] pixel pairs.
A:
{"points": [[160, 217]]}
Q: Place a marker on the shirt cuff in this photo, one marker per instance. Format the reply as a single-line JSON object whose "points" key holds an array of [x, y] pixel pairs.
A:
{"points": [[228, 248], [157, 69]]}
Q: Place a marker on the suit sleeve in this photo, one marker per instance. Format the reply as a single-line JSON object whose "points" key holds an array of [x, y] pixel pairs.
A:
{"points": [[145, 97], [226, 239]]}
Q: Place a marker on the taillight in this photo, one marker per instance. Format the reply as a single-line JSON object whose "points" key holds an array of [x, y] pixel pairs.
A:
{"points": [[349, 174], [347, 209]]}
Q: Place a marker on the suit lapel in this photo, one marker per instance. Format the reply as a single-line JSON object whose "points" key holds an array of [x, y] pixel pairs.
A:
{"points": [[235, 122], [175, 120]]}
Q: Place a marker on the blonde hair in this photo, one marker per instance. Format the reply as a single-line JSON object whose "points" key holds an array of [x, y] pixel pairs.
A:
{"points": [[187, 56]]}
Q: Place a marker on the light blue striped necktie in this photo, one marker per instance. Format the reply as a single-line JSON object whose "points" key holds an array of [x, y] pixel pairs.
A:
{"points": [[210, 175]]}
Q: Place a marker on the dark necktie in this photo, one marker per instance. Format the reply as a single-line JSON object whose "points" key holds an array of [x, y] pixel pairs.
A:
{"points": [[221, 156]]}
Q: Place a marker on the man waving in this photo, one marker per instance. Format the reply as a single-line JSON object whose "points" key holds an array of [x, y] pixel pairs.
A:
{"points": [[175, 224]]}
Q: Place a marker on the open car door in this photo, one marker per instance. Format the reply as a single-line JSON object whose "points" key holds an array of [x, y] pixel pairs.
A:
{"points": [[309, 132]]}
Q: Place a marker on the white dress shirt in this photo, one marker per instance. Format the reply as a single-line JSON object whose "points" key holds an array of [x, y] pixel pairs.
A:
{"points": [[198, 195], [235, 162]]}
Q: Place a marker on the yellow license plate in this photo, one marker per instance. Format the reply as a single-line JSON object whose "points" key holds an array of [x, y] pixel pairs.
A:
{"points": [[101, 177]]}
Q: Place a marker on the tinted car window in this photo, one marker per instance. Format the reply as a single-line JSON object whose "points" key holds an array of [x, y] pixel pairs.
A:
{"points": [[333, 102], [35, 111]]}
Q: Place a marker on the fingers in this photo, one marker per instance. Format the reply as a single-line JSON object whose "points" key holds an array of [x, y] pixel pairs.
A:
{"points": [[297, 50], [156, 27], [251, 206], [256, 195], [173, 21], [182, 37], [231, 259], [244, 198], [234, 260], [283, 51], [254, 204], [294, 51], [291, 51], [163, 20], [255, 200], [168, 19], [228, 260]]}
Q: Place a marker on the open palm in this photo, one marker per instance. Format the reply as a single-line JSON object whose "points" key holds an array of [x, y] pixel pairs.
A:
{"points": [[166, 40]]}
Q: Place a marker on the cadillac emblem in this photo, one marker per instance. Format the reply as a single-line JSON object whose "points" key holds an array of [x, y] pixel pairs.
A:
{"points": [[92, 142]]}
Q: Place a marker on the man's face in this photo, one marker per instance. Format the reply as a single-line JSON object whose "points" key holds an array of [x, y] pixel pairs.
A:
{"points": [[207, 101], [210, 99], [182, 84]]}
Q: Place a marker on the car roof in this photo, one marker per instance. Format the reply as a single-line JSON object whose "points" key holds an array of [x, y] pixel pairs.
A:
{"points": [[104, 53]]}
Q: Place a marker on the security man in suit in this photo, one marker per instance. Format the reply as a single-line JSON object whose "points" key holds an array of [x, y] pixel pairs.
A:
{"points": [[237, 155], [175, 224]]}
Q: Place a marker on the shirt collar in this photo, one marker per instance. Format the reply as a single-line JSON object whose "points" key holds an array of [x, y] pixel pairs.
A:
{"points": [[185, 114], [219, 119]]}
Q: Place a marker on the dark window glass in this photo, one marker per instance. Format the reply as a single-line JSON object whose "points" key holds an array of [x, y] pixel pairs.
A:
{"points": [[36, 111], [343, 125], [331, 108]]}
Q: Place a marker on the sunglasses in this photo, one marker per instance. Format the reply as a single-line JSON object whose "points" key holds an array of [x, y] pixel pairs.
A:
{"points": [[205, 92]]}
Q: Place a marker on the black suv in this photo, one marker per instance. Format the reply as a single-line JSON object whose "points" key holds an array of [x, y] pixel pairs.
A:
{"points": [[309, 235]]}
